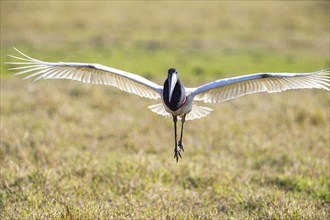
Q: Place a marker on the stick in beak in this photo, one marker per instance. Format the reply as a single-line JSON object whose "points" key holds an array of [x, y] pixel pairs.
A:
{"points": [[173, 78]]}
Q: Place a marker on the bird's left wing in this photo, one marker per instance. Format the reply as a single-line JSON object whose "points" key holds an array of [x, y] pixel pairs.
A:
{"points": [[86, 73], [230, 88]]}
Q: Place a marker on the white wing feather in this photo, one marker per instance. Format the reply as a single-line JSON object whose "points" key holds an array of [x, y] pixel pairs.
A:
{"points": [[198, 112], [86, 73], [195, 113], [159, 109], [230, 88]]}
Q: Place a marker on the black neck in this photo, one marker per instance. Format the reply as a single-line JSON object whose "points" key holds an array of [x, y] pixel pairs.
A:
{"points": [[178, 95]]}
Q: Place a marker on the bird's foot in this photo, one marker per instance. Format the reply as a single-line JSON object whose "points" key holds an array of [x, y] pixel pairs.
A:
{"points": [[180, 145], [177, 153]]}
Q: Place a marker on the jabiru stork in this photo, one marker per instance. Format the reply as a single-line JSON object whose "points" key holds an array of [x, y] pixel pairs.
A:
{"points": [[177, 100]]}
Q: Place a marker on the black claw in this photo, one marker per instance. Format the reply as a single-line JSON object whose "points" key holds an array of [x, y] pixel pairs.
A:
{"points": [[177, 154], [181, 146], [176, 158]]}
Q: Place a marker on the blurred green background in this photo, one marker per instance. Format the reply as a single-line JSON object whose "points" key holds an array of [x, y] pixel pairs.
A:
{"points": [[203, 39], [75, 151]]}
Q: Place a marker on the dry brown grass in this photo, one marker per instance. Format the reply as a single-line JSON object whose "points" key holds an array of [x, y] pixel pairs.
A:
{"points": [[84, 151]]}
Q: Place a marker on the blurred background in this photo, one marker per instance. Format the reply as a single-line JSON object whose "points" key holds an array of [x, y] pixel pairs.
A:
{"points": [[198, 38], [71, 150]]}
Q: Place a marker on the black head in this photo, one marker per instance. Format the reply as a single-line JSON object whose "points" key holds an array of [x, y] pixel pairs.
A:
{"points": [[172, 70]]}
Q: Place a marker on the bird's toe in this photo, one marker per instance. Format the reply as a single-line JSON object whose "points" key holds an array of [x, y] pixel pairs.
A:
{"points": [[177, 154], [180, 145]]}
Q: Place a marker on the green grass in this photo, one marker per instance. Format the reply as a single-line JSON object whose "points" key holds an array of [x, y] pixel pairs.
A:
{"points": [[75, 151]]}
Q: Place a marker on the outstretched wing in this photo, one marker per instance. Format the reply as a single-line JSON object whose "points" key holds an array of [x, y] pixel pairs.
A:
{"points": [[86, 73], [230, 88]]}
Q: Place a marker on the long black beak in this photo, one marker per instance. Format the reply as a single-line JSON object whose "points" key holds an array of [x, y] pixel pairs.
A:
{"points": [[172, 80]]}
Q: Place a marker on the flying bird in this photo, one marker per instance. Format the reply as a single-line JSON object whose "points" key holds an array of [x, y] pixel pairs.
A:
{"points": [[176, 100]]}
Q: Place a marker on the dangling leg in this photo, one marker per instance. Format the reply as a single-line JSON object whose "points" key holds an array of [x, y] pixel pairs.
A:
{"points": [[183, 119], [176, 149]]}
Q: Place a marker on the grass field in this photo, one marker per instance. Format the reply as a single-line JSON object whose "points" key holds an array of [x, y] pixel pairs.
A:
{"points": [[75, 151]]}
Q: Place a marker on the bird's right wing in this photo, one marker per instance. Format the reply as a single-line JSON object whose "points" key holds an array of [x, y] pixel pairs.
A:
{"points": [[230, 88], [86, 73]]}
